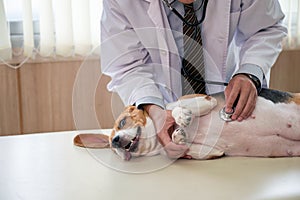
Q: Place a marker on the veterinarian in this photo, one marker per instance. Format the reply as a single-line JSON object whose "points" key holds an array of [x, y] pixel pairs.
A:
{"points": [[147, 59]]}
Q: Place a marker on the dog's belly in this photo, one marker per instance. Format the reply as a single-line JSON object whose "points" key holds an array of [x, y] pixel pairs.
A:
{"points": [[273, 131]]}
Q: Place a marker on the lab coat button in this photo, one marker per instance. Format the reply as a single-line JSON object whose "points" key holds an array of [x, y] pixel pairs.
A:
{"points": [[163, 52]]}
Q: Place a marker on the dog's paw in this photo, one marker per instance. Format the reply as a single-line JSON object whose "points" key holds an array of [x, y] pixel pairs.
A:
{"points": [[179, 136], [182, 116]]}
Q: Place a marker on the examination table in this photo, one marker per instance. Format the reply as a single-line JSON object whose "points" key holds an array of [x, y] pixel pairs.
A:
{"points": [[49, 167]]}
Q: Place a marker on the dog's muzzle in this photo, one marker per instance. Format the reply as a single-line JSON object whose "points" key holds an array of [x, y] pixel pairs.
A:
{"points": [[129, 145]]}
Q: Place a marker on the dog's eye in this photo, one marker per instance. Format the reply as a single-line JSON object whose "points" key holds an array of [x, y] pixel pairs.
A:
{"points": [[122, 123]]}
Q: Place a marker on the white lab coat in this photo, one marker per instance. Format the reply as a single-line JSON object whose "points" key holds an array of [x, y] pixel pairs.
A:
{"points": [[139, 52]]}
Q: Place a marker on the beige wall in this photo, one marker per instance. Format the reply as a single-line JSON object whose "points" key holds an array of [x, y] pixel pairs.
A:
{"points": [[286, 71], [38, 97], [45, 96], [9, 101]]}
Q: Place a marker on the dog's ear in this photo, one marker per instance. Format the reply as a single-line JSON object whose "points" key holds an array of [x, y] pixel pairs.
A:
{"points": [[88, 140]]}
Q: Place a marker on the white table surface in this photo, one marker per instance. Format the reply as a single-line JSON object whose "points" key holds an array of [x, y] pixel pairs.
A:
{"points": [[48, 166]]}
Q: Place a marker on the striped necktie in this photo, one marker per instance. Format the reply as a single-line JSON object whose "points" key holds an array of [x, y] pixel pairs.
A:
{"points": [[193, 62]]}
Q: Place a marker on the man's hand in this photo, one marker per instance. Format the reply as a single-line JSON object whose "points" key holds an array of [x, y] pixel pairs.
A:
{"points": [[241, 87], [164, 124]]}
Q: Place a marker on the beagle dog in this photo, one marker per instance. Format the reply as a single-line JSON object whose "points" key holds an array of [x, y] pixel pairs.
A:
{"points": [[273, 130]]}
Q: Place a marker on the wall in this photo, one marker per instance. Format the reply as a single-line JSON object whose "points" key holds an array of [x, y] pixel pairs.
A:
{"points": [[68, 94], [9, 101], [285, 73], [39, 97]]}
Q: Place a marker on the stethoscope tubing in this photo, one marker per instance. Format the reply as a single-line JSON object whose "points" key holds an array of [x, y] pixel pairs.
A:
{"points": [[200, 80], [204, 4]]}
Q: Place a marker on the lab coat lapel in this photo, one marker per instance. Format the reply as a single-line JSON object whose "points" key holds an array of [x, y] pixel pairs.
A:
{"points": [[153, 13], [166, 42], [216, 31]]}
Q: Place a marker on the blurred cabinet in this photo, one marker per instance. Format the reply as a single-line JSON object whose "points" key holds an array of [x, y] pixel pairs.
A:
{"points": [[45, 90], [39, 97], [9, 101]]}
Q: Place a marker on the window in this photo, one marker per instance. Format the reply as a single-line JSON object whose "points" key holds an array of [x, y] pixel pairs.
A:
{"points": [[291, 9], [52, 27], [14, 15], [70, 27]]}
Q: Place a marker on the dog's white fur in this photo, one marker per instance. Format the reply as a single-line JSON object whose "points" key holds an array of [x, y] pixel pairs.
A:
{"points": [[272, 131], [183, 111]]}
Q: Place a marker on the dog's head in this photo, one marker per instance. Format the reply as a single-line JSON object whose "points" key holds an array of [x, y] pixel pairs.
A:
{"points": [[133, 134]]}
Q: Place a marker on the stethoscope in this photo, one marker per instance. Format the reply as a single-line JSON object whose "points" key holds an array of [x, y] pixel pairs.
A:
{"points": [[204, 6], [222, 114]]}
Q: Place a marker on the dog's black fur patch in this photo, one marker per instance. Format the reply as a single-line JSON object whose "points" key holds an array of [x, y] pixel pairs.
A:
{"points": [[275, 96]]}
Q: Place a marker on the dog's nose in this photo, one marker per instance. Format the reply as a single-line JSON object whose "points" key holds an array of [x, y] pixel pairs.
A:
{"points": [[116, 141]]}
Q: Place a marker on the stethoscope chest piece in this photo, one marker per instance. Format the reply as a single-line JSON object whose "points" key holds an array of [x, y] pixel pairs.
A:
{"points": [[225, 116]]}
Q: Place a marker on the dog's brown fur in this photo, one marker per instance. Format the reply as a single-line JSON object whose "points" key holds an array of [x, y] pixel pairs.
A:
{"points": [[133, 117]]}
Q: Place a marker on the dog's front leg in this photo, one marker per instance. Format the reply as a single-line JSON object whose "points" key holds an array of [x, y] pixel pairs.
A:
{"points": [[183, 116], [179, 136], [199, 104]]}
